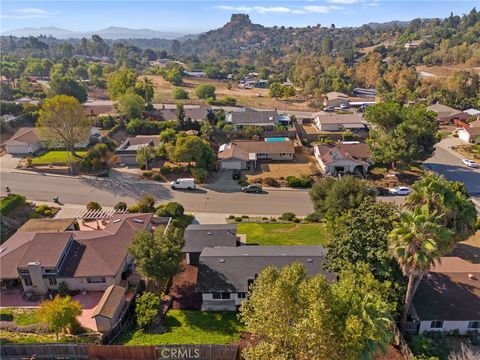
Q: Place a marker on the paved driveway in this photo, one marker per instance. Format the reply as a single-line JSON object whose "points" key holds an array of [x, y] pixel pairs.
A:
{"points": [[9, 162]]}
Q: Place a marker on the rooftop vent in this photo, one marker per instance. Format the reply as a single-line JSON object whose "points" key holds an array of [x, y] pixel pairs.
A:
{"points": [[140, 221], [472, 277], [209, 233], [309, 260], [222, 260], [2, 250], [116, 221]]}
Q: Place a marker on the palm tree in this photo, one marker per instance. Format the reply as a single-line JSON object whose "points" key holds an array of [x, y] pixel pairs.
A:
{"points": [[147, 88], [416, 242]]}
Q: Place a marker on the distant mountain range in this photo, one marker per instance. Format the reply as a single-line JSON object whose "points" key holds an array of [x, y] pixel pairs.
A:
{"points": [[111, 33]]}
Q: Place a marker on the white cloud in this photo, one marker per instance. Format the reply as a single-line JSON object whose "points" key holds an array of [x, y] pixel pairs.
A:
{"points": [[34, 11], [344, 2], [28, 13], [372, 4], [308, 9]]}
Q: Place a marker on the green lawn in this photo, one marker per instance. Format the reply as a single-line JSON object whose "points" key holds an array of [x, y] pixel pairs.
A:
{"points": [[189, 327], [7, 337], [55, 157], [284, 234], [21, 317]]}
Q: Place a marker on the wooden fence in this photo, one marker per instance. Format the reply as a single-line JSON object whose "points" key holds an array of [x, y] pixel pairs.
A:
{"points": [[401, 343], [119, 352]]}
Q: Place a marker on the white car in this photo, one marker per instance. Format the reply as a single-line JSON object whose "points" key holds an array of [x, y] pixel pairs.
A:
{"points": [[185, 183], [343, 106], [470, 163], [399, 191]]}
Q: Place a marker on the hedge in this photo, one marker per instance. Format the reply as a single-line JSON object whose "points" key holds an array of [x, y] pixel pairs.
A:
{"points": [[11, 202]]}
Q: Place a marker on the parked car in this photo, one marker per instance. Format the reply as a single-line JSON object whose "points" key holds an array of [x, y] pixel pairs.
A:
{"points": [[236, 174], [254, 188], [328, 108], [343, 106], [470, 163], [399, 191], [185, 183]]}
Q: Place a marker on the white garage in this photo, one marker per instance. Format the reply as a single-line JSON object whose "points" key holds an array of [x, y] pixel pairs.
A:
{"points": [[470, 135], [24, 141], [231, 164]]}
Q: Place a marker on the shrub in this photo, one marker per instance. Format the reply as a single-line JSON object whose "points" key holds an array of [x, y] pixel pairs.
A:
{"points": [[48, 213], [157, 177], [238, 219], [41, 209], [179, 94], [146, 204], [296, 220], [205, 91], [133, 208], [147, 174], [478, 223], [264, 218], [242, 182], [6, 315], [62, 288], [302, 182], [93, 205], [200, 175], [146, 309], [174, 209], [269, 181], [120, 206], [272, 219], [245, 217], [10, 202], [165, 170], [288, 216], [231, 217], [313, 217]]}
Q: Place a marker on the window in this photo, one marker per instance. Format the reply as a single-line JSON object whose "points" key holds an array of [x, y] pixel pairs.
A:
{"points": [[216, 296], [28, 281], [225, 296], [96, 280], [52, 281], [50, 271], [437, 324], [23, 271], [242, 295], [474, 324]]}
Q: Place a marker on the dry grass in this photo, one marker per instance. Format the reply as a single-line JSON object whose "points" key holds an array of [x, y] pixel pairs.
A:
{"points": [[469, 151], [244, 97], [304, 164], [446, 70]]}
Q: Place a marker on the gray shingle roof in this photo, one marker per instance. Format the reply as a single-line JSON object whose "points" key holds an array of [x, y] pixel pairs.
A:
{"points": [[198, 237], [251, 116], [228, 269]]}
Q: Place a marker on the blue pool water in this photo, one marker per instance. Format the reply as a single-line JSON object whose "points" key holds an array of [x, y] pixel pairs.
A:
{"points": [[276, 139]]}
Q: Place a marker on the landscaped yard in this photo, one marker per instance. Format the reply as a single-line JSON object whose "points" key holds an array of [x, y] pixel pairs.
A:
{"points": [[55, 157], [284, 234], [470, 151], [189, 327]]}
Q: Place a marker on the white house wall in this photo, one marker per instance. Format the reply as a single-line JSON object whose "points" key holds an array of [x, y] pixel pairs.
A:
{"points": [[461, 326]]}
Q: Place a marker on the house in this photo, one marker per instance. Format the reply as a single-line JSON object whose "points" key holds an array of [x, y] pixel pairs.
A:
{"points": [[470, 134], [472, 112], [350, 157], [362, 92], [448, 298], [336, 99], [250, 117], [45, 225], [333, 122], [412, 44], [94, 110], [240, 154], [446, 114], [108, 310], [86, 260], [127, 152], [197, 114], [198, 237], [226, 273], [25, 141], [195, 74]]}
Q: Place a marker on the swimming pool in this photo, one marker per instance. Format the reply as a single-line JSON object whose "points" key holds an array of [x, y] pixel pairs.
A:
{"points": [[276, 139]]}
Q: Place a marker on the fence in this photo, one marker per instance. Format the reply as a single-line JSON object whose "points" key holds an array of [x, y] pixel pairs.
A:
{"points": [[401, 343], [125, 318], [111, 352]]}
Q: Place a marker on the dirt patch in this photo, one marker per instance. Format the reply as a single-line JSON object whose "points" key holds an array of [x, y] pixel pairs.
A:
{"points": [[469, 249], [386, 179], [244, 97], [182, 290], [469, 151]]}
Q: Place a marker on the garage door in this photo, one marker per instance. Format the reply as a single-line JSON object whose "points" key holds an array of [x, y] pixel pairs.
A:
{"points": [[17, 149], [232, 164]]}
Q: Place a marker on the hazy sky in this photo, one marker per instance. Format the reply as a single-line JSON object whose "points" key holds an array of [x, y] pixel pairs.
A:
{"points": [[197, 16]]}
